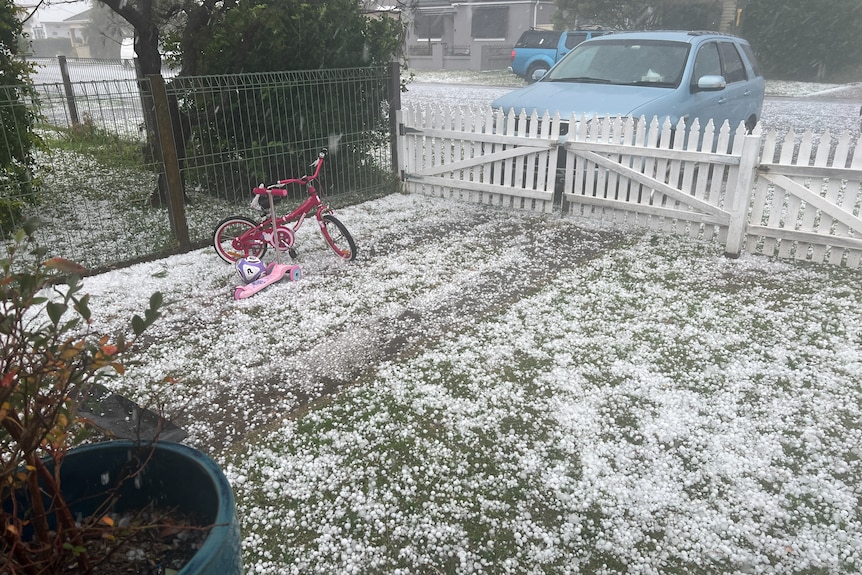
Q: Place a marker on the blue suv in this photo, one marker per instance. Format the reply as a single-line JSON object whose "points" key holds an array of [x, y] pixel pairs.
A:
{"points": [[703, 75]]}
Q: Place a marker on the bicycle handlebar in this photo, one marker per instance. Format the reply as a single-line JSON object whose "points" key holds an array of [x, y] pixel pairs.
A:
{"points": [[318, 163], [274, 190]]}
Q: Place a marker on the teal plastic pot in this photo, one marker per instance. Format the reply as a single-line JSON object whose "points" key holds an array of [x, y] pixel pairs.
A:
{"points": [[175, 475]]}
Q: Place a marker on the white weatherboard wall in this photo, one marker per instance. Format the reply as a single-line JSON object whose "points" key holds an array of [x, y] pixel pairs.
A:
{"points": [[720, 184]]}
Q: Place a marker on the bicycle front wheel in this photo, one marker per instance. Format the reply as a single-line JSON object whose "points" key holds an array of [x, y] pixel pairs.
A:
{"points": [[337, 237], [235, 237]]}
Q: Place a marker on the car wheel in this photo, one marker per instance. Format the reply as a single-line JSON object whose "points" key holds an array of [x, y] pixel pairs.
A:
{"points": [[750, 124], [535, 68]]}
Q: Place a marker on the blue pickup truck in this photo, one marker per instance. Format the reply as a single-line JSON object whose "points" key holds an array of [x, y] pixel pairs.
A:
{"points": [[540, 49]]}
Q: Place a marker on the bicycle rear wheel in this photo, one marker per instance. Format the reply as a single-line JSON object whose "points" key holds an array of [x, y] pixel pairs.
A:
{"points": [[337, 237], [233, 239]]}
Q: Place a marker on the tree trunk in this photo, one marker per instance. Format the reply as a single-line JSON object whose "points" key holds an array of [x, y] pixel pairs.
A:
{"points": [[142, 16]]}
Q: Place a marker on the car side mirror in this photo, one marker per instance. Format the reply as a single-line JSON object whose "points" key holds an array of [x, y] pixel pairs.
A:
{"points": [[711, 83], [539, 74]]}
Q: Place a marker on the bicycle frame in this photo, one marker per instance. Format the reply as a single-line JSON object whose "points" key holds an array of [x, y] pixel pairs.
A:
{"points": [[239, 236], [298, 215], [305, 208]]}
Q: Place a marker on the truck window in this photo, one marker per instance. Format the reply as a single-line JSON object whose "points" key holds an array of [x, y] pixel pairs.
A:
{"points": [[538, 39], [575, 38]]}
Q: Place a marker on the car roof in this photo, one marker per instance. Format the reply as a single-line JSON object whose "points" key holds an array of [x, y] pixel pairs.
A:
{"points": [[688, 36]]}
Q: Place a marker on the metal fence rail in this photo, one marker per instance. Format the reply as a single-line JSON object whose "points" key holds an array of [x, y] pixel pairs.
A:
{"points": [[276, 122], [50, 70], [112, 105], [101, 182]]}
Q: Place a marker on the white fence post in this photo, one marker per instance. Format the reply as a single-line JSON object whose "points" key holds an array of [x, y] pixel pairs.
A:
{"points": [[739, 195]]}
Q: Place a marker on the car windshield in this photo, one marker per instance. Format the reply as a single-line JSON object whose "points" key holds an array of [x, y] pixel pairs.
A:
{"points": [[623, 62]]}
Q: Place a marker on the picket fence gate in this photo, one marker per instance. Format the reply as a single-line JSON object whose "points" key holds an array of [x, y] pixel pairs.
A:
{"points": [[789, 197]]}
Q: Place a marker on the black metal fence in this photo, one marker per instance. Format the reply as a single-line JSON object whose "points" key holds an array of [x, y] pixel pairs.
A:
{"points": [[133, 168]]}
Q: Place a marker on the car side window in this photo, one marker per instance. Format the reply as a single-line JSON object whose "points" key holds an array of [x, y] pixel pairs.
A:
{"points": [[575, 38], [706, 63], [734, 69]]}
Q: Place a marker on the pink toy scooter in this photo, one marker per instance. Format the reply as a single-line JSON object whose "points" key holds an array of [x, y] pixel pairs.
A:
{"points": [[275, 271]]}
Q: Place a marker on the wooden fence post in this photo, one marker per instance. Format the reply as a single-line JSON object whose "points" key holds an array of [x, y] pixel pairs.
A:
{"points": [[394, 108], [739, 196], [70, 93], [170, 161]]}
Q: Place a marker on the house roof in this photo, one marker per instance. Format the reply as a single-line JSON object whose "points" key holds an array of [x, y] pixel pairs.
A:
{"points": [[80, 17], [57, 11]]}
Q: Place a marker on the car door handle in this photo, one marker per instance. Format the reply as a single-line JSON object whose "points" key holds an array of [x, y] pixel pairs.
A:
{"points": [[722, 100]]}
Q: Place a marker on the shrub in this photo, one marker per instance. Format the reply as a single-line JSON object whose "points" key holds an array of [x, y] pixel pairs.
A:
{"points": [[50, 360]]}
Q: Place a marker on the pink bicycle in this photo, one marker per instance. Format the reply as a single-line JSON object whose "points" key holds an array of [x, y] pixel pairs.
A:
{"points": [[238, 236]]}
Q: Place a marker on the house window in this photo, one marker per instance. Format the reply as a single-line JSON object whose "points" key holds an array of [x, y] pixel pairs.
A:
{"points": [[490, 23], [428, 27]]}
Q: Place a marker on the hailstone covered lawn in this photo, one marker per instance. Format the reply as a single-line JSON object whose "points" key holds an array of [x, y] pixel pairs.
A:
{"points": [[485, 391]]}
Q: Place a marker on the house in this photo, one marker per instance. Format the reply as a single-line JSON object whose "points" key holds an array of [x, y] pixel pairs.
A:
{"points": [[474, 35], [57, 28], [480, 34]]}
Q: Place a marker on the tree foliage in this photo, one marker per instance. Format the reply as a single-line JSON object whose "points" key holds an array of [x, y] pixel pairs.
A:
{"points": [[105, 32], [225, 37], [267, 132], [638, 14], [803, 39], [228, 37], [16, 121], [617, 15], [271, 35]]}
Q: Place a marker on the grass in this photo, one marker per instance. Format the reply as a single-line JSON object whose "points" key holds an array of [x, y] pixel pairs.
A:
{"points": [[640, 413], [484, 78], [103, 146], [492, 392], [97, 212], [98, 197]]}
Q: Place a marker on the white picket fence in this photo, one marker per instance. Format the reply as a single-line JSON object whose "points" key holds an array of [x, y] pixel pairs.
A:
{"points": [[798, 197]]}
